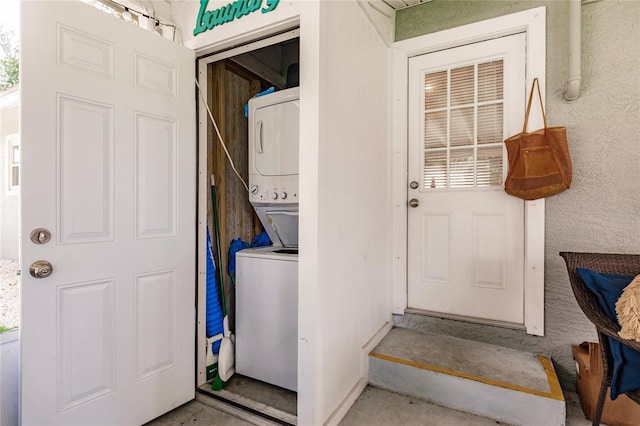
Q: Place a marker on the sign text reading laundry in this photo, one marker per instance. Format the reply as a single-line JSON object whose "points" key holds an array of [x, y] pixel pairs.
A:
{"points": [[207, 19]]}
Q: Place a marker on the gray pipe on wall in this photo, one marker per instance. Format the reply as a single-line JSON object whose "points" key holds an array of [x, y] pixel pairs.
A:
{"points": [[572, 91]]}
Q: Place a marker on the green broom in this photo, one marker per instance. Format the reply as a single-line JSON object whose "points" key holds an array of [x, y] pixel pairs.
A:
{"points": [[226, 364]]}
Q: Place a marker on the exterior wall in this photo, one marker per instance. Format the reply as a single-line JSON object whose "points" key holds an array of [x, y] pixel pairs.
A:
{"points": [[353, 193], [9, 200], [601, 211]]}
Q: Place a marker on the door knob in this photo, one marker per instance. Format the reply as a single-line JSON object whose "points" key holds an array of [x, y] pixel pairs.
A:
{"points": [[414, 202], [40, 269], [414, 184]]}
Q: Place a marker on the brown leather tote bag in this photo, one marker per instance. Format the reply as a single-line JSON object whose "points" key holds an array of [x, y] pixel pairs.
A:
{"points": [[539, 162]]}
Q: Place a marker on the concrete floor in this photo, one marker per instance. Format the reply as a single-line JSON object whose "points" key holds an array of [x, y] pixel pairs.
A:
{"points": [[263, 393], [241, 391], [374, 407], [377, 406], [197, 413]]}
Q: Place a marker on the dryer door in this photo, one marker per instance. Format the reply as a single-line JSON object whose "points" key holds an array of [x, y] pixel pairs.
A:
{"points": [[275, 139]]}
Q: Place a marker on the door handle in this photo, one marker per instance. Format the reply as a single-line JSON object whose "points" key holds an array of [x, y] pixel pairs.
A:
{"points": [[258, 142], [40, 269], [414, 184], [414, 202]]}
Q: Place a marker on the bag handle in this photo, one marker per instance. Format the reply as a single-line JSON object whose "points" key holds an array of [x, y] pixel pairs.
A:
{"points": [[526, 116]]}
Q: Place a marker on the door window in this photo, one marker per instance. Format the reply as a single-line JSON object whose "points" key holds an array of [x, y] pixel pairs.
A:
{"points": [[463, 126]]}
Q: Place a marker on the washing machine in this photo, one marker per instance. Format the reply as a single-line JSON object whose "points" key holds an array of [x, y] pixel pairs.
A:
{"points": [[267, 277], [267, 315]]}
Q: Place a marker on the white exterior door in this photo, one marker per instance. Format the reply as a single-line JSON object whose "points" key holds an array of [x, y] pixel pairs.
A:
{"points": [[109, 167], [465, 234]]}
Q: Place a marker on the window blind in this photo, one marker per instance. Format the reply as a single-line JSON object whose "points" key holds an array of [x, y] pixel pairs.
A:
{"points": [[463, 126]]}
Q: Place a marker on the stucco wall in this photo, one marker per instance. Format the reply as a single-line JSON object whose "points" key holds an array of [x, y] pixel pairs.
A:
{"points": [[601, 211]]}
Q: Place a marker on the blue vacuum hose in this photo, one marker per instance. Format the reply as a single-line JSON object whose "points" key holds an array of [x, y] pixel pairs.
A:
{"points": [[214, 312]]}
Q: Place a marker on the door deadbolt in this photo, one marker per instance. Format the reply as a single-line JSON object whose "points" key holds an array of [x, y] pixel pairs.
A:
{"points": [[414, 185], [414, 202], [40, 236], [40, 269]]}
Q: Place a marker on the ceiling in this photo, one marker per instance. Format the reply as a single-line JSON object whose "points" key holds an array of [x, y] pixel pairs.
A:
{"points": [[401, 4]]}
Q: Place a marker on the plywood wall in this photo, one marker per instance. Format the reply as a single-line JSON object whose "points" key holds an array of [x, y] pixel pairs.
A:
{"points": [[230, 88]]}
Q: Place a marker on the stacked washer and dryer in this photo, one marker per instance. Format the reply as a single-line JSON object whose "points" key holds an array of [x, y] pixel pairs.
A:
{"points": [[267, 277]]}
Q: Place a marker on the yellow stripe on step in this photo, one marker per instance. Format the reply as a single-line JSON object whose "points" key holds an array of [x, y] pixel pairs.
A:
{"points": [[554, 385], [552, 378]]}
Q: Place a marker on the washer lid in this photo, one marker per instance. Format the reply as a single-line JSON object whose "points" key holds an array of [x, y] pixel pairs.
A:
{"points": [[282, 227]]}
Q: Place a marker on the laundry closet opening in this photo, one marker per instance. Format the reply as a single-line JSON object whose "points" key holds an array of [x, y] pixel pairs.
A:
{"points": [[250, 344]]}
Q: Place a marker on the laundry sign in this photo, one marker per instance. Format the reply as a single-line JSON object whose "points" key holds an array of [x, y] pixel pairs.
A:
{"points": [[208, 19]]}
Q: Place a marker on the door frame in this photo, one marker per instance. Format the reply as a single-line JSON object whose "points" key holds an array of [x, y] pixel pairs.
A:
{"points": [[305, 16], [203, 177], [532, 22]]}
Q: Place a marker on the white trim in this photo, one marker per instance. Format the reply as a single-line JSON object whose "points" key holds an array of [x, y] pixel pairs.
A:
{"points": [[534, 267], [533, 23], [382, 18], [249, 47], [343, 408], [244, 37], [371, 345], [203, 179]]}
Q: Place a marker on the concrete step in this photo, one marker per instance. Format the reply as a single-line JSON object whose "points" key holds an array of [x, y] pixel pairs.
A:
{"points": [[503, 384]]}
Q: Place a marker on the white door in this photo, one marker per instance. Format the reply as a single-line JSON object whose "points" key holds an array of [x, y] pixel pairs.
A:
{"points": [[466, 235], [109, 168]]}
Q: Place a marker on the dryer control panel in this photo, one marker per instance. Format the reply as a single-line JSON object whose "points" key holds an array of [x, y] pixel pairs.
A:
{"points": [[273, 194], [284, 190]]}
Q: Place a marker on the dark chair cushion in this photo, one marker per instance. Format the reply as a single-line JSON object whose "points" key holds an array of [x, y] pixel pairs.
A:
{"points": [[626, 361]]}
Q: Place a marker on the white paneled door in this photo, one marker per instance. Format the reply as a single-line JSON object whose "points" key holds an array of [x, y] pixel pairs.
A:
{"points": [[466, 235], [109, 168]]}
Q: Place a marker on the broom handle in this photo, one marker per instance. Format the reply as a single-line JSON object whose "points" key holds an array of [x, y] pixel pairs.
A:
{"points": [[217, 231]]}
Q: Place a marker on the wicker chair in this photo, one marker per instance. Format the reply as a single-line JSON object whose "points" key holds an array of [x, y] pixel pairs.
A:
{"points": [[624, 264]]}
